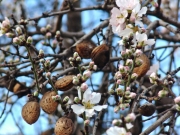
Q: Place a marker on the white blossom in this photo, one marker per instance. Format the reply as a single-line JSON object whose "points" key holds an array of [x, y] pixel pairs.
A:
{"points": [[90, 99]]}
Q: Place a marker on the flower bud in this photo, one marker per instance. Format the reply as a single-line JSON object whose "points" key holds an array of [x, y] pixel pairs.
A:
{"points": [[17, 41], [48, 27], [130, 117], [84, 87], [47, 63], [48, 74], [36, 93], [54, 43], [119, 91], [162, 93], [78, 59], [153, 78], [123, 54], [65, 100], [137, 53], [86, 74], [29, 40], [128, 88], [76, 100], [91, 64], [43, 30], [48, 35], [119, 81], [10, 34], [116, 122], [75, 80], [129, 62], [138, 62], [86, 122], [134, 76], [58, 33], [41, 53], [19, 30], [56, 98], [75, 55], [118, 75], [177, 100], [132, 95]]}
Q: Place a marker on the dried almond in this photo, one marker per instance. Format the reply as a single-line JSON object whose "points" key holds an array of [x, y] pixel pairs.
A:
{"points": [[85, 48], [64, 126], [47, 103], [147, 109], [141, 70], [100, 55], [31, 111], [65, 83]]}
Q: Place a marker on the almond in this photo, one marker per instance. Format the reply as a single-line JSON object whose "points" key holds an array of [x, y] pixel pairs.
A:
{"points": [[100, 55], [31, 111], [64, 126], [47, 103], [65, 83], [147, 109], [85, 48]]}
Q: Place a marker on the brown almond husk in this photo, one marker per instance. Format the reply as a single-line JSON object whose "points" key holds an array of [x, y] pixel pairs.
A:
{"points": [[30, 112], [100, 55], [64, 126], [47, 103], [147, 109], [64, 83], [85, 48], [142, 70]]}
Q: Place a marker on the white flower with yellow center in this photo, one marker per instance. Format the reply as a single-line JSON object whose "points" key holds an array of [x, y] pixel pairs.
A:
{"points": [[89, 101]]}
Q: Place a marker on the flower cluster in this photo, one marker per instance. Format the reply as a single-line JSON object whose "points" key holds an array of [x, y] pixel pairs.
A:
{"points": [[125, 98], [118, 128], [87, 101], [75, 60]]}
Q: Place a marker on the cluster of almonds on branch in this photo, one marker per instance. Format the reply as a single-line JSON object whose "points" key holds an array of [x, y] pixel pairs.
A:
{"points": [[99, 54]]}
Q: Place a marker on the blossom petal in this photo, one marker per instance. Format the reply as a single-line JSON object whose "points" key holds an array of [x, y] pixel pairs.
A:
{"points": [[129, 125], [116, 131], [99, 107], [79, 94], [89, 112], [87, 95], [95, 98], [139, 23], [137, 8], [142, 11], [78, 109], [150, 42]]}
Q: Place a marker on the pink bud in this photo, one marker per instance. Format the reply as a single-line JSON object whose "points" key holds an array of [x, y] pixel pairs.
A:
{"points": [[132, 95], [86, 122], [87, 74], [84, 86], [43, 30], [177, 100], [138, 52], [48, 34]]}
